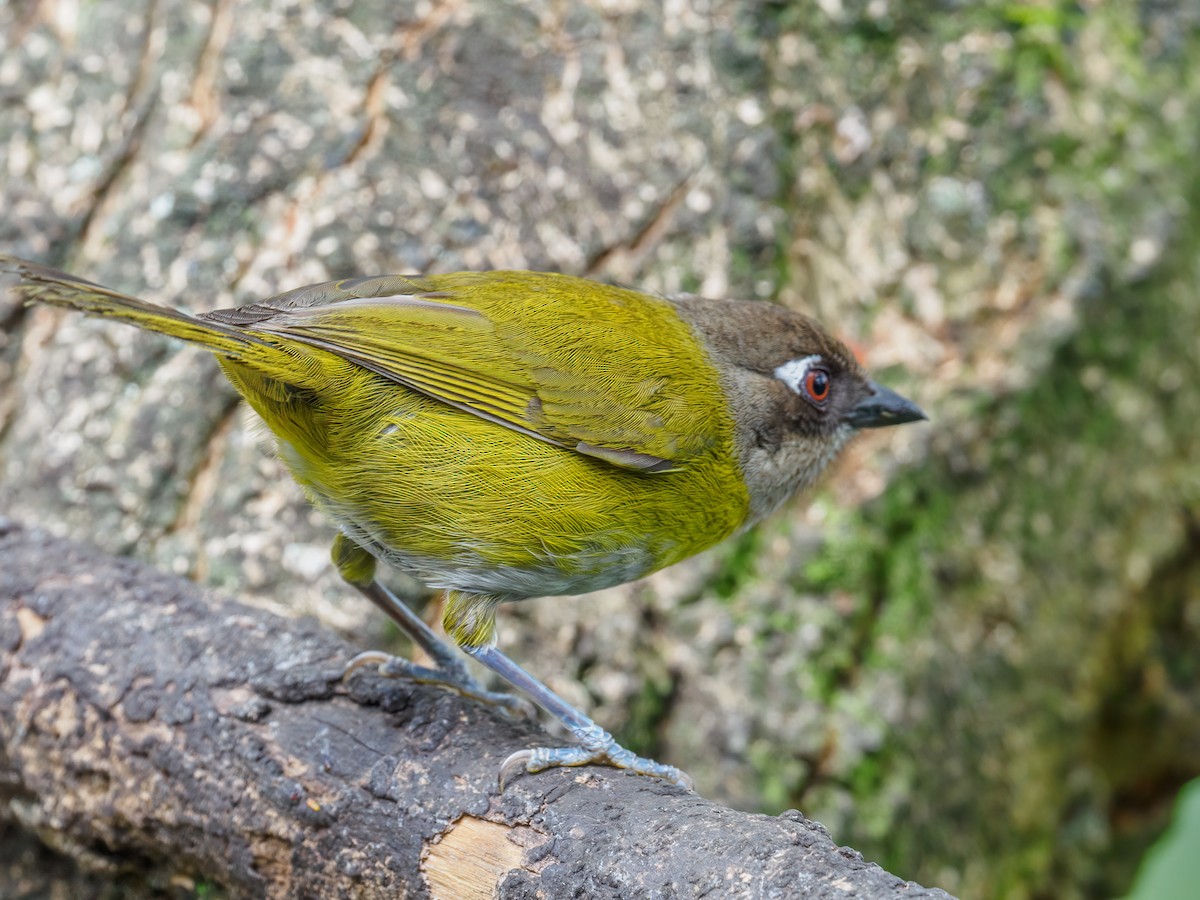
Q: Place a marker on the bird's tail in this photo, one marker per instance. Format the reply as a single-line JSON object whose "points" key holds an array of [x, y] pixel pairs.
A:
{"points": [[40, 284]]}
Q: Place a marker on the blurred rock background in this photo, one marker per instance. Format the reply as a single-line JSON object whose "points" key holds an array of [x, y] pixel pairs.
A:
{"points": [[973, 653]]}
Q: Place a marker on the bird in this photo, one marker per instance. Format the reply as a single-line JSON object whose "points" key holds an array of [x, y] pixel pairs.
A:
{"points": [[504, 435]]}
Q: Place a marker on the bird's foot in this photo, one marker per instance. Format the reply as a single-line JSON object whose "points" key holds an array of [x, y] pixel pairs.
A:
{"points": [[595, 744], [596, 747], [451, 674]]}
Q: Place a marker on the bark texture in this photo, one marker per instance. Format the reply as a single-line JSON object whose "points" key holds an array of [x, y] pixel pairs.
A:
{"points": [[148, 728]]}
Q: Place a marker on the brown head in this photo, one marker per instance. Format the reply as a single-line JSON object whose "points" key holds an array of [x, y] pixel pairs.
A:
{"points": [[796, 392]]}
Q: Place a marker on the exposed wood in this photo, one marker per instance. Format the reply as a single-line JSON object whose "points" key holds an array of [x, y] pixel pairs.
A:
{"points": [[474, 855]]}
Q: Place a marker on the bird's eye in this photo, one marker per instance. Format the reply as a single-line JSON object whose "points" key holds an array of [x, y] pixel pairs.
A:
{"points": [[809, 378], [816, 385]]}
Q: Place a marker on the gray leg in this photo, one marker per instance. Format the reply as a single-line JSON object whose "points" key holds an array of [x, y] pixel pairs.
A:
{"points": [[356, 565], [595, 744], [449, 673]]}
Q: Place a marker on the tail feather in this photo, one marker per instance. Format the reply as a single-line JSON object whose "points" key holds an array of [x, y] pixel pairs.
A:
{"points": [[40, 284]]}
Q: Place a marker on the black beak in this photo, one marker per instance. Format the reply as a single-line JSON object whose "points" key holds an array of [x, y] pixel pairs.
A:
{"points": [[883, 407]]}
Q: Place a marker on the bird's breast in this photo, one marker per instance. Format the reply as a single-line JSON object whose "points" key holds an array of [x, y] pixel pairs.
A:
{"points": [[464, 504]]}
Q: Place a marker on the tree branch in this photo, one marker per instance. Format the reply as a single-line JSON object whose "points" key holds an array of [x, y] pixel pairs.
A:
{"points": [[144, 724]]}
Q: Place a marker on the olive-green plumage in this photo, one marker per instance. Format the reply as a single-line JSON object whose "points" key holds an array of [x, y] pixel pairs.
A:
{"points": [[513, 434], [579, 477], [509, 434]]}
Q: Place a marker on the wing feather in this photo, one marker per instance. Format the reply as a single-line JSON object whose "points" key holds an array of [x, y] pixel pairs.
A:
{"points": [[470, 342]]}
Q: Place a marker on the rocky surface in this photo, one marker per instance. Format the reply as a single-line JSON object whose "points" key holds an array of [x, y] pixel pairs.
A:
{"points": [[996, 203]]}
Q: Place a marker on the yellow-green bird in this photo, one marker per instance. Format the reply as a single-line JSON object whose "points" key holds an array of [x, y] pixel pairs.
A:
{"points": [[505, 435]]}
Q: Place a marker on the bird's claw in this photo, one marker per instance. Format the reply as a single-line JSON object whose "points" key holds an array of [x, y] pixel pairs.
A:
{"points": [[608, 753], [452, 677], [367, 658]]}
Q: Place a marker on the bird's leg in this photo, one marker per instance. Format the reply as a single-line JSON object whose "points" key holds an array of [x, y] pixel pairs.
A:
{"points": [[357, 567], [470, 620], [596, 746]]}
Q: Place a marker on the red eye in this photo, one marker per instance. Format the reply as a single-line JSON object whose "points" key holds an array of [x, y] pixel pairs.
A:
{"points": [[817, 384]]}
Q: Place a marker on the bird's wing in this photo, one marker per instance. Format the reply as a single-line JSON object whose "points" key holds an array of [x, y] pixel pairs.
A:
{"points": [[603, 371]]}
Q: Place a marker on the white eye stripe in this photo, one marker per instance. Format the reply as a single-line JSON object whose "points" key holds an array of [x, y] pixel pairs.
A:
{"points": [[793, 371]]}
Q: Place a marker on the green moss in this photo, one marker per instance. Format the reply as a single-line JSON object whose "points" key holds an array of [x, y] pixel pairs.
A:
{"points": [[1029, 585], [648, 709], [1042, 34], [739, 558], [1021, 560]]}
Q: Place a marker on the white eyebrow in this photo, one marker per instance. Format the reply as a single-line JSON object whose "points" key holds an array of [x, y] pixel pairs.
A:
{"points": [[793, 371]]}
